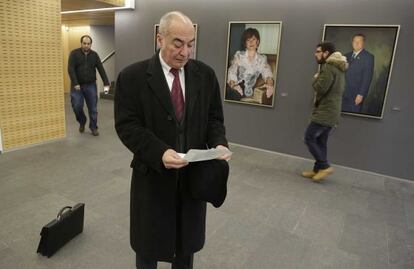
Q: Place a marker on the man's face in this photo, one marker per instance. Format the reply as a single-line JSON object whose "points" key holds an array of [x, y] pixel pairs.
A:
{"points": [[252, 43], [358, 43], [86, 44], [177, 45], [320, 56]]}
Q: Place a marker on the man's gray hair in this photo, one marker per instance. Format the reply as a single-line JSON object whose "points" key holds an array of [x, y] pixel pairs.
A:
{"points": [[168, 18]]}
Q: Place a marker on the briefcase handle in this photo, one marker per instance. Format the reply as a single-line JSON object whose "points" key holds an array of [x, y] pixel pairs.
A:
{"points": [[59, 215]]}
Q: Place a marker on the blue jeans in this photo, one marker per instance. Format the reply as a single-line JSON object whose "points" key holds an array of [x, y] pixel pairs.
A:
{"points": [[89, 94], [316, 138]]}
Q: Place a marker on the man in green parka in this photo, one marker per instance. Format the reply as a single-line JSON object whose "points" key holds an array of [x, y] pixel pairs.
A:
{"points": [[329, 85]]}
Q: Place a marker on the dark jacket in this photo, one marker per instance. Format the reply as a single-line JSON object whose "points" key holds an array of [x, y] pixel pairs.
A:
{"points": [[358, 79], [328, 87], [145, 122], [81, 67]]}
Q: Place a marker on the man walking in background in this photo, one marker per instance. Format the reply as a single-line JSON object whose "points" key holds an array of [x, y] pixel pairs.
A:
{"points": [[82, 66], [328, 85]]}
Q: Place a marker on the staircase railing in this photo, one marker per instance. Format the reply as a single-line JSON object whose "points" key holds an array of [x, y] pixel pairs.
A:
{"points": [[108, 56]]}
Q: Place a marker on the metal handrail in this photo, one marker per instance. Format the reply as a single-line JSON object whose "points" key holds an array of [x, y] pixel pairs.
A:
{"points": [[109, 56]]}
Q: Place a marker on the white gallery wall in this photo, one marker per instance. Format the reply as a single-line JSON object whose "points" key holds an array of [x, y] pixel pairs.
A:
{"points": [[104, 43]]}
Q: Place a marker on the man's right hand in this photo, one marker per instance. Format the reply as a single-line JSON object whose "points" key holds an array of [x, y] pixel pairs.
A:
{"points": [[172, 160], [77, 87]]}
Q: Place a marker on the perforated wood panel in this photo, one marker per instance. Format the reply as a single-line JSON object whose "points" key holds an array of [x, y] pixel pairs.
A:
{"points": [[31, 83]]}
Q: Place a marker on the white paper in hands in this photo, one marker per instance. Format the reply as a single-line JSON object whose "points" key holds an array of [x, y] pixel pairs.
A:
{"points": [[197, 155]]}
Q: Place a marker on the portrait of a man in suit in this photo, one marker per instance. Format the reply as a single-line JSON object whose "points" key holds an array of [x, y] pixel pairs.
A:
{"points": [[370, 51], [358, 76]]}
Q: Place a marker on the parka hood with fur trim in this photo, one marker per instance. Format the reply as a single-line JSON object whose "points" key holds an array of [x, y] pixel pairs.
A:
{"points": [[338, 60]]}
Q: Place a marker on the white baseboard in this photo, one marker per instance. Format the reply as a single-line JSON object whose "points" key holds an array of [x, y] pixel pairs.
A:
{"points": [[337, 165]]}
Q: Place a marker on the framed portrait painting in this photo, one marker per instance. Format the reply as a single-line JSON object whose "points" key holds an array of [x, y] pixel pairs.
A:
{"points": [[252, 61], [369, 50], [193, 53]]}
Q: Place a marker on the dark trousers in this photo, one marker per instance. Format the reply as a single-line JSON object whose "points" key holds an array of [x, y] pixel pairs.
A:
{"points": [[89, 94], [181, 260], [316, 138]]}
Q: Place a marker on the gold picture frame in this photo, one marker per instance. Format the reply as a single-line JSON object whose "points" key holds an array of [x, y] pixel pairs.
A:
{"points": [[252, 80]]}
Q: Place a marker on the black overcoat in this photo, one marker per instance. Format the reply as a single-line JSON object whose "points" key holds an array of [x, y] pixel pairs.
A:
{"points": [[146, 124]]}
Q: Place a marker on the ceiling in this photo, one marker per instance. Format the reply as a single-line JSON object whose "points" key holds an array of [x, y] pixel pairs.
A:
{"points": [[70, 5], [89, 18]]}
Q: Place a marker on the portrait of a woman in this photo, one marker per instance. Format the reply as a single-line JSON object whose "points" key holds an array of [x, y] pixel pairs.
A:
{"points": [[246, 67]]}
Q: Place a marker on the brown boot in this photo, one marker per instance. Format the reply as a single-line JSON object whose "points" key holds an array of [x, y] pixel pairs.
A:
{"points": [[81, 128], [308, 174], [95, 132], [322, 174]]}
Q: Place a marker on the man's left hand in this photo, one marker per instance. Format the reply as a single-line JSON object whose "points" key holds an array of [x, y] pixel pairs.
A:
{"points": [[106, 89], [225, 157]]}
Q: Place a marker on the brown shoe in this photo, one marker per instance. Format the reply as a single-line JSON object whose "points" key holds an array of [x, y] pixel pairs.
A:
{"points": [[308, 174], [81, 128], [95, 132], [322, 174]]}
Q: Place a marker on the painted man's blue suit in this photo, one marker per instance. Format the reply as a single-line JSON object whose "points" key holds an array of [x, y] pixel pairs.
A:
{"points": [[358, 79]]}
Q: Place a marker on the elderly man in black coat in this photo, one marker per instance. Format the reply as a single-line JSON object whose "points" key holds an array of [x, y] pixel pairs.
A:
{"points": [[164, 106]]}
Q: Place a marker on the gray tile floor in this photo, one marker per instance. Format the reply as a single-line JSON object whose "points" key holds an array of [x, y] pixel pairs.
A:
{"points": [[272, 217]]}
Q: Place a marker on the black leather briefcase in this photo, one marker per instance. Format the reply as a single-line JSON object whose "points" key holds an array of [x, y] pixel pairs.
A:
{"points": [[58, 232]]}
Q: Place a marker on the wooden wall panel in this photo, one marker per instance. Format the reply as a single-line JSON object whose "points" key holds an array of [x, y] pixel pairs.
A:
{"points": [[31, 82]]}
